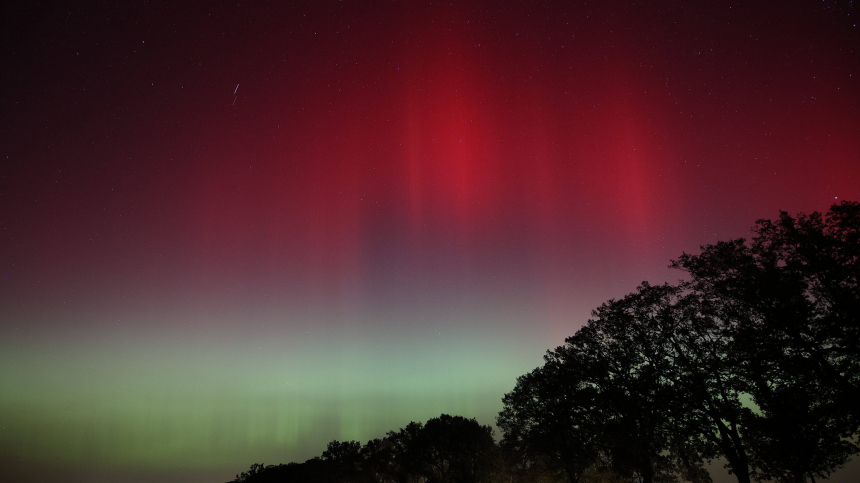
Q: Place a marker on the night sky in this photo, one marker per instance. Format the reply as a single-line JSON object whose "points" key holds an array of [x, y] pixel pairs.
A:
{"points": [[231, 233]]}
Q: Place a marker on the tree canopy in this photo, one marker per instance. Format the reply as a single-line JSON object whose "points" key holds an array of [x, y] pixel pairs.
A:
{"points": [[447, 449], [752, 357]]}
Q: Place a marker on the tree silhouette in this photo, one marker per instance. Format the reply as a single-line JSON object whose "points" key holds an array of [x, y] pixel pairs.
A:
{"points": [[378, 461], [602, 402], [652, 436], [345, 460], [754, 358], [447, 449], [677, 337], [553, 415], [789, 303]]}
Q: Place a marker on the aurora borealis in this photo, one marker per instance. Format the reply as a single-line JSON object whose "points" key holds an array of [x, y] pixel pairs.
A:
{"points": [[231, 233]]}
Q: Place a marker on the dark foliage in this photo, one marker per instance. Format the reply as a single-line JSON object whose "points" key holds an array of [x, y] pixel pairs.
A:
{"points": [[753, 358], [447, 449]]}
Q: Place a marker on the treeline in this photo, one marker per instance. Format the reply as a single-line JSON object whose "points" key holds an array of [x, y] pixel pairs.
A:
{"points": [[447, 448], [753, 357]]}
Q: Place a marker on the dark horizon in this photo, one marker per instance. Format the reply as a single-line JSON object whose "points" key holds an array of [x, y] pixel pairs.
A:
{"points": [[233, 233]]}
